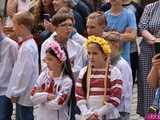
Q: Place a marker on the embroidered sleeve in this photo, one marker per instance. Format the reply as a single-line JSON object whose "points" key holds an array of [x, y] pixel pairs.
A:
{"points": [[115, 92], [62, 97], [22, 73], [116, 87], [39, 97], [79, 91]]}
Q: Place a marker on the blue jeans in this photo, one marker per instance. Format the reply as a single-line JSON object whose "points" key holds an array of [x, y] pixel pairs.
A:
{"points": [[6, 108], [24, 112]]}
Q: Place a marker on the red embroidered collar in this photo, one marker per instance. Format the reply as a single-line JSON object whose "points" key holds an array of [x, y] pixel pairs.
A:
{"points": [[25, 39]]}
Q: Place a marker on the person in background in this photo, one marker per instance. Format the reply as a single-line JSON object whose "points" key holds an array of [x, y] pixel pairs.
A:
{"points": [[14, 6], [79, 21], [8, 56], [122, 21], [154, 74], [25, 70], [137, 9], [43, 12], [149, 27], [96, 23], [146, 2], [63, 24], [74, 35]]}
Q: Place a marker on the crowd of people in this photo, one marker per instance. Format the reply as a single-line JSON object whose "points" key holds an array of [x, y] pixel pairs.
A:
{"points": [[77, 59]]}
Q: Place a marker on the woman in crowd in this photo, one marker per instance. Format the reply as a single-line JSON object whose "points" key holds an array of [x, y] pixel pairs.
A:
{"points": [[149, 27]]}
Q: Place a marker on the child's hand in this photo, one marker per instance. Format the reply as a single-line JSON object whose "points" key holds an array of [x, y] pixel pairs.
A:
{"points": [[50, 97], [128, 30], [14, 99], [156, 60]]}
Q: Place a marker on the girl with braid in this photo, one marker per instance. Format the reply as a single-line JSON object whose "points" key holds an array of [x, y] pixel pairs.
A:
{"points": [[99, 86]]}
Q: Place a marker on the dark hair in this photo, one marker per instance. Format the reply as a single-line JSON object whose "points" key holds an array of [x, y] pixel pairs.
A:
{"points": [[84, 82], [67, 71], [49, 50], [61, 17]]}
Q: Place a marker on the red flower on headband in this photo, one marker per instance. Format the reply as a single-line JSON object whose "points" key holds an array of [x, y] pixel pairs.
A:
{"points": [[58, 51]]}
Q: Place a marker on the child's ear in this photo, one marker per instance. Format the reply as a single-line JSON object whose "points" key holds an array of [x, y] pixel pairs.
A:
{"points": [[22, 26]]}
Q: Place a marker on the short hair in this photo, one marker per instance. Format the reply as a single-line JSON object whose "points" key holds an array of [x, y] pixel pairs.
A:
{"points": [[99, 17], [25, 18], [61, 17], [115, 37]]}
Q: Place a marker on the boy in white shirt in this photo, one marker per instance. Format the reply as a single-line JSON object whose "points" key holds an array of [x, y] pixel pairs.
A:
{"points": [[25, 71]]}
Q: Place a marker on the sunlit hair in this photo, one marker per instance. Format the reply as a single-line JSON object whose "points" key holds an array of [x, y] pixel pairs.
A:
{"points": [[112, 36], [25, 18], [101, 42], [99, 17]]}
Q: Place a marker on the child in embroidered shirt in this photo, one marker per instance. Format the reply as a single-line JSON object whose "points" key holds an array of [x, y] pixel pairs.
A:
{"points": [[55, 86], [99, 88], [25, 70]]}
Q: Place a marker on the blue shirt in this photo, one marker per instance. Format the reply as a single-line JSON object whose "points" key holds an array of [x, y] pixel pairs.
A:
{"points": [[120, 23]]}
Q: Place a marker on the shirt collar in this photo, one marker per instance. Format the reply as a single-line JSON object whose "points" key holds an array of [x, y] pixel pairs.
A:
{"points": [[72, 34]]}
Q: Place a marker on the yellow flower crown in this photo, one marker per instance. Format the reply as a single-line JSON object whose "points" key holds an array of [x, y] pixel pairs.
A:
{"points": [[100, 41]]}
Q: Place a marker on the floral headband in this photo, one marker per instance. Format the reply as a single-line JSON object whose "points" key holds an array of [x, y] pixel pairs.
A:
{"points": [[101, 42], [58, 51]]}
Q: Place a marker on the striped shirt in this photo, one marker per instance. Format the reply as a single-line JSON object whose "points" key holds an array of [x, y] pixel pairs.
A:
{"points": [[96, 97]]}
